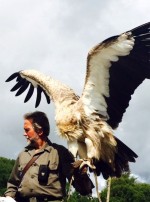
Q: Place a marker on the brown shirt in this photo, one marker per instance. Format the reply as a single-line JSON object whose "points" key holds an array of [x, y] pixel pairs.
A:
{"points": [[59, 170]]}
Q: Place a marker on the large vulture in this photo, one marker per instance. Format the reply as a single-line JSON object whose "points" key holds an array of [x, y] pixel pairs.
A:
{"points": [[115, 68]]}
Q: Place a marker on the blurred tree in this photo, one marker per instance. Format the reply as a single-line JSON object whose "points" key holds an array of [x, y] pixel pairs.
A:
{"points": [[127, 189], [6, 166]]}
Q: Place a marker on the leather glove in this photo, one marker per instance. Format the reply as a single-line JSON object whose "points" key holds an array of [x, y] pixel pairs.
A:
{"points": [[82, 182]]}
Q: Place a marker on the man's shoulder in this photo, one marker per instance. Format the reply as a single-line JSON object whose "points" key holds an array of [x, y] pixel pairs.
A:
{"points": [[56, 146], [23, 154], [60, 148], [62, 151]]}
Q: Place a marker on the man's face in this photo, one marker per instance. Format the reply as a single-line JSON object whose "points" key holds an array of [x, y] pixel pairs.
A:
{"points": [[29, 131]]}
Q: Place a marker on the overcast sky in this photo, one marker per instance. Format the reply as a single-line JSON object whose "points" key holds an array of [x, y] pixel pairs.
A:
{"points": [[54, 36]]}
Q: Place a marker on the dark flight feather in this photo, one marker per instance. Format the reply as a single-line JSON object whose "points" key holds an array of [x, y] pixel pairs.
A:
{"points": [[23, 88], [30, 93], [38, 98], [20, 83], [13, 76]]}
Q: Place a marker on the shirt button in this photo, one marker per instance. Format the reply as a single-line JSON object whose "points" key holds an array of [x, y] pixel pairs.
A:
{"points": [[32, 176]]}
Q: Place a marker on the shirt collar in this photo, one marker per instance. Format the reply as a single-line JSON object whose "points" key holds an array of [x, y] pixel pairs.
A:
{"points": [[46, 147]]}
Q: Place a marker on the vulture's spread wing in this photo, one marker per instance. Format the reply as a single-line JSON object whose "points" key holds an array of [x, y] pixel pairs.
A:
{"points": [[115, 68], [22, 84], [51, 88]]}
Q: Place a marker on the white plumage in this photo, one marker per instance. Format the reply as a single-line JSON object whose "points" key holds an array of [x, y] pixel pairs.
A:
{"points": [[115, 68]]}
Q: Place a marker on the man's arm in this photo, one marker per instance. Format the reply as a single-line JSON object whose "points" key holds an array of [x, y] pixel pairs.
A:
{"points": [[82, 183], [13, 182]]}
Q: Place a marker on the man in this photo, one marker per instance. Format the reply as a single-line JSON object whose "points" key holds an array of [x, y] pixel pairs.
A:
{"points": [[45, 178]]}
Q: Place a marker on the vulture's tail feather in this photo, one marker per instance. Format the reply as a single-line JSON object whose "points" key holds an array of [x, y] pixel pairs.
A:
{"points": [[122, 157]]}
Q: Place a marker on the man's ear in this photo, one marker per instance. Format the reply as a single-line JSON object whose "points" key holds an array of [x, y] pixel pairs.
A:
{"points": [[40, 132]]}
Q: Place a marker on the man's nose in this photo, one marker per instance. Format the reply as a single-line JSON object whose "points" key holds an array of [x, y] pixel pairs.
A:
{"points": [[25, 134]]}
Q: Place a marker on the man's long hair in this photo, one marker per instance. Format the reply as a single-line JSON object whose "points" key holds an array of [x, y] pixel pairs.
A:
{"points": [[39, 121]]}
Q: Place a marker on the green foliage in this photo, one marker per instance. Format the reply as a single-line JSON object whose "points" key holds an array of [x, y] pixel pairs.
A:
{"points": [[127, 189], [77, 197], [6, 166]]}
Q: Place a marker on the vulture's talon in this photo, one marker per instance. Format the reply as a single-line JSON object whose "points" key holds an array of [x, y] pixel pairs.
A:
{"points": [[84, 162], [87, 162]]}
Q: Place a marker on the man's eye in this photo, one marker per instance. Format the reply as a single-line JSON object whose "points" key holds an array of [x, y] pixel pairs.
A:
{"points": [[26, 130]]}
